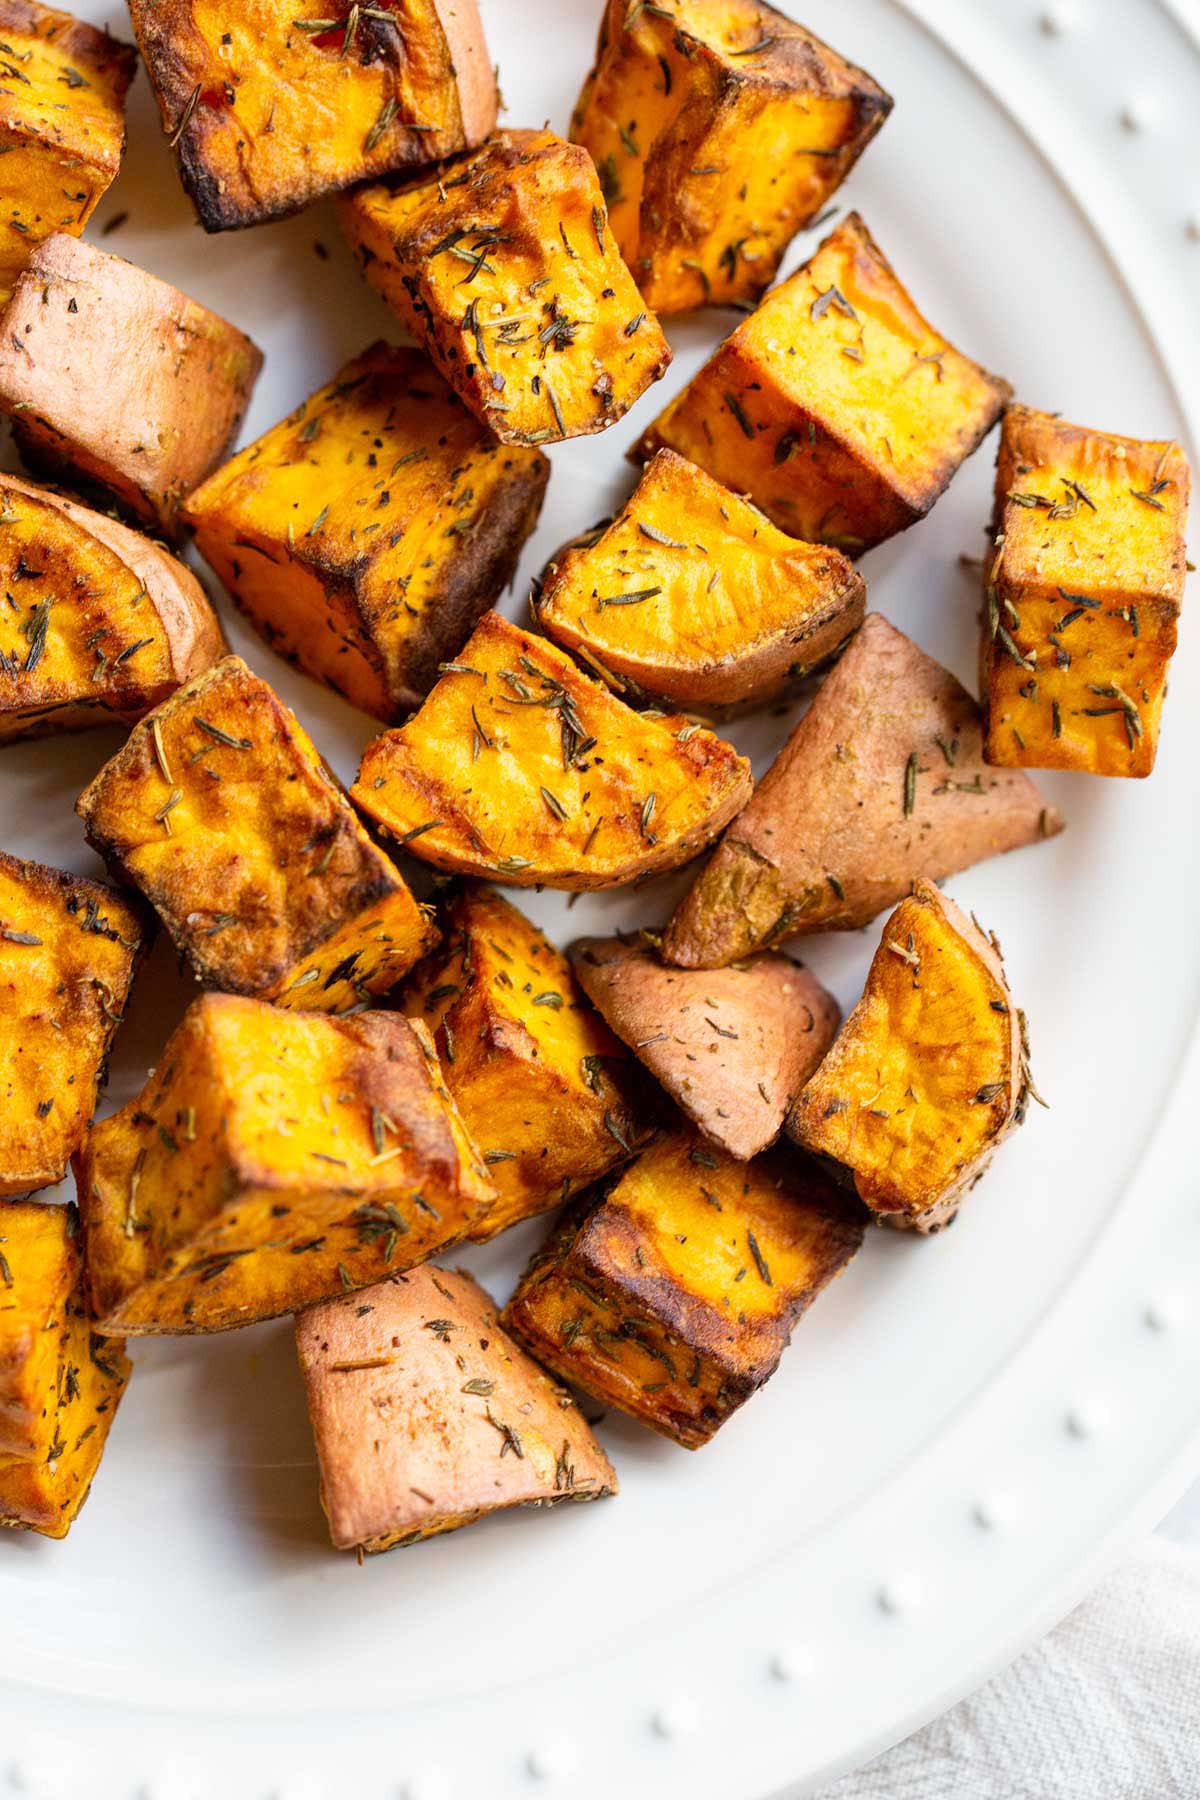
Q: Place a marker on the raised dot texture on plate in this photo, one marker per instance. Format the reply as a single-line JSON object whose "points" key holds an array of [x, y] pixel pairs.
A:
{"points": [[1056, 21], [1086, 1418], [677, 1719], [549, 1762], [791, 1663], [902, 1594], [992, 1512], [1164, 1312]]}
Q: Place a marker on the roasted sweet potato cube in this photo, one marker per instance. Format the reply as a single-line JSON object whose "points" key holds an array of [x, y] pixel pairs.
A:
{"points": [[272, 1159], [118, 380], [1081, 596], [691, 596], [267, 111], [543, 1086], [427, 1416], [62, 134], [503, 268], [60, 1384], [928, 1074], [719, 128], [882, 781], [732, 1047], [520, 767], [101, 624], [220, 810], [674, 1296], [836, 407], [365, 535], [69, 948]]}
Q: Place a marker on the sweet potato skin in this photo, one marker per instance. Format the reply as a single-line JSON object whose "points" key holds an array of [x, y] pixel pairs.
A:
{"points": [[367, 571], [1082, 593], [273, 1158], [882, 782], [427, 1415], [719, 129], [527, 209], [693, 597]]}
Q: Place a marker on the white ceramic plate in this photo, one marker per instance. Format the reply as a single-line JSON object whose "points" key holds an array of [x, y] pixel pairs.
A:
{"points": [[964, 1426]]}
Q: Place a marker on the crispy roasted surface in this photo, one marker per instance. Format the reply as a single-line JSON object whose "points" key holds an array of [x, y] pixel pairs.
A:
{"points": [[62, 126], [272, 1159], [836, 407], [69, 948], [504, 269], [266, 111], [220, 810], [693, 596], [882, 781], [719, 128], [543, 1086], [427, 1416], [733, 1047], [366, 533], [117, 379], [928, 1074], [520, 767], [674, 1297], [60, 1384], [1082, 593]]}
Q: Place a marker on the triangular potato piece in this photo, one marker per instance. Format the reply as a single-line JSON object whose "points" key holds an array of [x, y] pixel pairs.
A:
{"points": [[522, 768], [882, 783], [732, 1047]]}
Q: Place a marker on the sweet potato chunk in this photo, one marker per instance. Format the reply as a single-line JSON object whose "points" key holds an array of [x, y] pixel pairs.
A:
{"points": [[427, 1416], [691, 595], [365, 534], [1081, 596], [928, 1074], [220, 810], [542, 1084], [836, 407], [62, 131], [116, 378], [882, 781], [732, 1047], [674, 1297], [69, 948], [267, 111], [542, 333], [719, 128], [519, 766], [60, 1384], [101, 624], [272, 1159]]}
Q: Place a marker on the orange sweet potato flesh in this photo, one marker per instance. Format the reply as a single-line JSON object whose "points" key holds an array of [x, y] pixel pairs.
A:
{"points": [[882, 782], [719, 128], [1082, 594], [836, 407], [504, 270]]}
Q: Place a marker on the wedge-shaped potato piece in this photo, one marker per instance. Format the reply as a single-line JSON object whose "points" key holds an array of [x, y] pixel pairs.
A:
{"points": [[427, 1416], [271, 1160], [520, 767], [836, 407], [732, 1047], [719, 128], [60, 1384], [928, 1074], [365, 535], [1081, 596], [220, 810], [62, 126], [117, 379], [543, 1086], [503, 268], [674, 1297], [69, 948], [882, 781], [267, 111], [100, 624], [691, 595]]}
